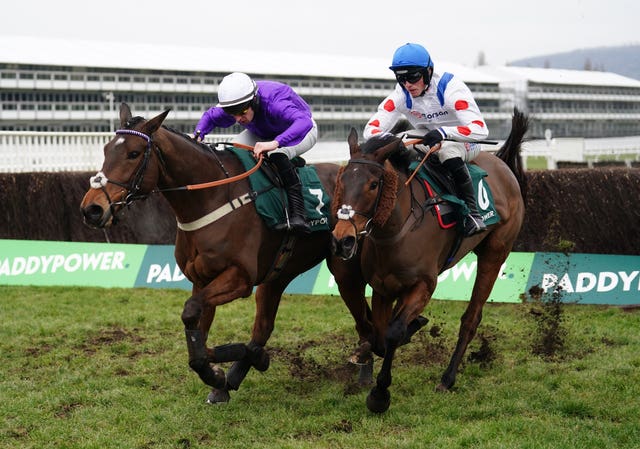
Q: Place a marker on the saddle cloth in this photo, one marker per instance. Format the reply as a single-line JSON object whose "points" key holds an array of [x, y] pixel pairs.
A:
{"points": [[271, 200], [451, 212]]}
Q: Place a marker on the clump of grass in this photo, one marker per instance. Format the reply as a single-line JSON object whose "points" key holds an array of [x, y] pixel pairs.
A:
{"points": [[548, 312], [565, 246]]}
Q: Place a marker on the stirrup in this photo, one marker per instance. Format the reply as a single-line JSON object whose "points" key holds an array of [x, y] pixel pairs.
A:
{"points": [[299, 226], [473, 225], [294, 226]]}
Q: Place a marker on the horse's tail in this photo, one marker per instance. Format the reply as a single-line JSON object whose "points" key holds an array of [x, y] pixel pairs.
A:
{"points": [[510, 151]]}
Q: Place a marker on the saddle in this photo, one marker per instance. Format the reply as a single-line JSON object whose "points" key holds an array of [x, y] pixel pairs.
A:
{"points": [[270, 197], [442, 194]]}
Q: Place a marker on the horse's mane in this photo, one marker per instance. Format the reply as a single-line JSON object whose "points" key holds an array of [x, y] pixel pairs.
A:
{"points": [[400, 159], [200, 145]]}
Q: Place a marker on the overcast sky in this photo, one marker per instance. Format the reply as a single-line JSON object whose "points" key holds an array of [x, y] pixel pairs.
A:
{"points": [[456, 31]]}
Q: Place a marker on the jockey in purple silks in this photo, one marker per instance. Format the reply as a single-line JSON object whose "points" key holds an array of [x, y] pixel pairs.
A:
{"points": [[277, 121], [442, 107]]}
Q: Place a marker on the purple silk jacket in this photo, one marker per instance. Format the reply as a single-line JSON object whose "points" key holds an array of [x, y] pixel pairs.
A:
{"points": [[282, 115]]}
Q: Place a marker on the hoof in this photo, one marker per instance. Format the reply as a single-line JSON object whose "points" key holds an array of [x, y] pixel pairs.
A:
{"points": [[378, 400], [218, 397]]}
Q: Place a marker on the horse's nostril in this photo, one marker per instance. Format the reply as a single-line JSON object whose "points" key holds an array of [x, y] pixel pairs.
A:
{"points": [[348, 243], [346, 247], [93, 214]]}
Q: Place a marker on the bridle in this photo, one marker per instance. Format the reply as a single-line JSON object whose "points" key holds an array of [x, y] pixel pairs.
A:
{"points": [[132, 189], [347, 212]]}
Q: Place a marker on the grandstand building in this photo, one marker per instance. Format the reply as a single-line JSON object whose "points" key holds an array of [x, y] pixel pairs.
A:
{"points": [[70, 86]]}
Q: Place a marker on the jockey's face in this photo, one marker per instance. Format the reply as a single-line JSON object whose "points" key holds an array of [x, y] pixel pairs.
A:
{"points": [[245, 116], [412, 80], [415, 89]]}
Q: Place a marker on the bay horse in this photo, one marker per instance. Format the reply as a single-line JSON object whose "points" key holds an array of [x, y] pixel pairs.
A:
{"points": [[224, 256], [404, 249]]}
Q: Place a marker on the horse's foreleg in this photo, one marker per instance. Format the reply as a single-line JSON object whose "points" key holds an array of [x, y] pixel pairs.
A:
{"points": [[196, 312], [351, 285], [381, 316], [379, 397], [485, 279], [267, 298], [199, 359], [406, 322], [198, 354]]}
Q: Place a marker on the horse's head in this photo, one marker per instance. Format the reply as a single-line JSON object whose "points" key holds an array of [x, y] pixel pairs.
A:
{"points": [[128, 172], [365, 191]]}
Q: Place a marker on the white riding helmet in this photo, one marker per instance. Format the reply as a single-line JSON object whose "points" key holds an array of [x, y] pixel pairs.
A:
{"points": [[236, 88]]}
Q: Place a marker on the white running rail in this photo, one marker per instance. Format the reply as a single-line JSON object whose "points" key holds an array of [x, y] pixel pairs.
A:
{"points": [[23, 151]]}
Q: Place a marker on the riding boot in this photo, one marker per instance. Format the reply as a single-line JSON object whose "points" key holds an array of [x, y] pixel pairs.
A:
{"points": [[292, 185], [473, 223]]}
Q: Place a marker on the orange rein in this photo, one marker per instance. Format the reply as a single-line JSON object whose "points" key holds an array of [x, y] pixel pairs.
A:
{"points": [[432, 150], [206, 185]]}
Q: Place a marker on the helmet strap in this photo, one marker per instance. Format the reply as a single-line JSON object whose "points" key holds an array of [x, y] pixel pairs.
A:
{"points": [[255, 102], [427, 74]]}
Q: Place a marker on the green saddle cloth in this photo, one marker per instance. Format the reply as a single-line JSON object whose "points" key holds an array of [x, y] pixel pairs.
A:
{"points": [[484, 197], [271, 201]]}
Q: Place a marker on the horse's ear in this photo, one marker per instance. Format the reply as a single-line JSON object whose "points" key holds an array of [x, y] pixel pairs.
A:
{"points": [[125, 114], [385, 152], [353, 142], [152, 125]]}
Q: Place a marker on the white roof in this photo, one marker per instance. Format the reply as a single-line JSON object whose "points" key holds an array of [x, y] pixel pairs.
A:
{"points": [[88, 53], [76, 53], [560, 76]]}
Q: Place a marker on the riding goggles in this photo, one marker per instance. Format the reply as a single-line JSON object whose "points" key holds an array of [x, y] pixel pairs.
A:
{"points": [[411, 76], [239, 109]]}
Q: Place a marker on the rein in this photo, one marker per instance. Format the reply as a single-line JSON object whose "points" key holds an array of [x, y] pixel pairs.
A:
{"points": [[100, 181]]}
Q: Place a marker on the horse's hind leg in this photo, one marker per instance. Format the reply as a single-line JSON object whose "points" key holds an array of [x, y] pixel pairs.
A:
{"points": [[488, 269]]}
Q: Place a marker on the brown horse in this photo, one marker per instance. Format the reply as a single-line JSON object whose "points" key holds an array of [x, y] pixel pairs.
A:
{"points": [[404, 248], [222, 245]]}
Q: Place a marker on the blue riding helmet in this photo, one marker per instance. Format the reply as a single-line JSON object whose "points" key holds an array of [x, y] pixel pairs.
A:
{"points": [[411, 55], [408, 58]]}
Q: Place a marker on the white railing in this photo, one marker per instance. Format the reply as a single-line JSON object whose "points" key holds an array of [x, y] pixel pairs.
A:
{"points": [[626, 149], [22, 151], [60, 151]]}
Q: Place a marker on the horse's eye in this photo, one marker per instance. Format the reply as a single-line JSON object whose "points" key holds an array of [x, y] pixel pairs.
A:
{"points": [[133, 155], [374, 185]]}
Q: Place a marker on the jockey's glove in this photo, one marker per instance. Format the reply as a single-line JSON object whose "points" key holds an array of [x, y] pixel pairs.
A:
{"points": [[433, 137]]}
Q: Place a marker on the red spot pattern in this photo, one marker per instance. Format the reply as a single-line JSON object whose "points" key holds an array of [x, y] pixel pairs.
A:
{"points": [[461, 105], [479, 123], [464, 130], [376, 124], [389, 106]]}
